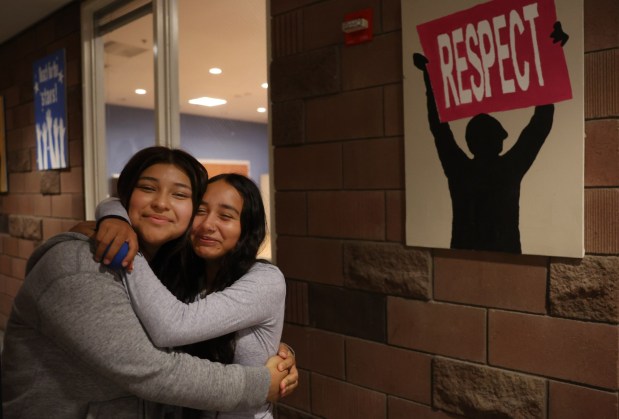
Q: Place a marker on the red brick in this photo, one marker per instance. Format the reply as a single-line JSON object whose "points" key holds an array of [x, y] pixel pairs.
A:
{"points": [[601, 20], [602, 153], [72, 181], [394, 109], [568, 349], [574, 402], [317, 350], [337, 399], [491, 280], [356, 114], [296, 337], [326, 353], [402, 372], [359, 215], [297, 309], [392, 15], [374, 164], [18, 268], [293, 260], [51, 227], [444, 329], [395, 216], [373, 63], [25, 248], [601, 87], [601, 221], [10, 246], [17, 182], [403, 409], [308, 167], [291, 208], [300, 398], [281, 6], [12, 285]]}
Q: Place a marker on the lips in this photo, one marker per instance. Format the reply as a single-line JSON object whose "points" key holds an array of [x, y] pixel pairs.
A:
{"points": [[206, 240], [157, 219]]}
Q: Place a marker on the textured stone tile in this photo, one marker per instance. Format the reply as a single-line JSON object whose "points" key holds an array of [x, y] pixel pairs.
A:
{"points": [[478, 391], [586, 289], [388, 269], [25, 227], [50, 182]]}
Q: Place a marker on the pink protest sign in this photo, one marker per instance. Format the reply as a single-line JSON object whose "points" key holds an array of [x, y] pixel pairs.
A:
{"points": [[494, 57]]}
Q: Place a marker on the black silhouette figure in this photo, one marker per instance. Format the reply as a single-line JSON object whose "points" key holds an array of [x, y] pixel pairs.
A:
{"points": [[485, 190]]}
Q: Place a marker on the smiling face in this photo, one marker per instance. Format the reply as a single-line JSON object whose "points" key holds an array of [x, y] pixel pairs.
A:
{"points": [[217, 225], [160, 206]]}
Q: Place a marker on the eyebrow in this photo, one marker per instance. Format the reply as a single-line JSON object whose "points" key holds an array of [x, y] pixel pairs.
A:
{"points": [[154, 179], [224, 206]]}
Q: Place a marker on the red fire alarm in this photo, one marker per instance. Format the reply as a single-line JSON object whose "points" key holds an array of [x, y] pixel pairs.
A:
{"points": [[357, 27]]}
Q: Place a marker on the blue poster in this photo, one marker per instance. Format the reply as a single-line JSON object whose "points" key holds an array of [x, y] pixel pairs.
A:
{"points": [[50, 111]]}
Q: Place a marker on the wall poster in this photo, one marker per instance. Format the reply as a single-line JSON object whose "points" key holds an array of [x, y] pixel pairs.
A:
{"points": [[50, 112], [494, 125]]}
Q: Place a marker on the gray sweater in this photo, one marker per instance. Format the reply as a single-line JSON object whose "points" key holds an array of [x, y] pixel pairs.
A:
{"points": [[74, 348], [253, 307]]}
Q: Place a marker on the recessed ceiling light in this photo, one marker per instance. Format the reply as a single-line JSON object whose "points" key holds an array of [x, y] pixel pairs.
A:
{"points": [[140, 91], [261, 110], [207, 101], [215, 70], [264, 85]]}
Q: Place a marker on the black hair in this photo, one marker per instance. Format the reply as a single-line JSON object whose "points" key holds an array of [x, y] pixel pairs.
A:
{"points": [[234, 264], [170, 255]]}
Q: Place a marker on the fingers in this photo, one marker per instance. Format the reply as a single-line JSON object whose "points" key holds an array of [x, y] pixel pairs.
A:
{"points": [[288, 385]]}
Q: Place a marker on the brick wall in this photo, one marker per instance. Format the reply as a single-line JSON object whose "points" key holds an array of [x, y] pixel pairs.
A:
{"points": [[387, 331], [38, 204]]}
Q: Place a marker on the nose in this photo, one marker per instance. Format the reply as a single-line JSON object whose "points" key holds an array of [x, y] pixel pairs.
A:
{"points": [[160, 202], [207, 224]]}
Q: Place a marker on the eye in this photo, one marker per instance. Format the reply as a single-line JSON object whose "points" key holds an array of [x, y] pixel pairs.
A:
{"points": [[181, 195], [145, 187]]}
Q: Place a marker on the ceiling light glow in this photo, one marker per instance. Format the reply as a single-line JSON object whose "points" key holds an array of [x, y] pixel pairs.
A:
{"points": [[261, 110], [140, 91], [215, 70], [264, 85], [208, 101]]}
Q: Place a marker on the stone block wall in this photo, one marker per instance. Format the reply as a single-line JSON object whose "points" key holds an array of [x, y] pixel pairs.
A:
{"points": [[387, 331], [38, 204]]}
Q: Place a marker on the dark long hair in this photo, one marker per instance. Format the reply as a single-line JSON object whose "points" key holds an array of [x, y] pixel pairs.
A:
{"points": [[166, 262], [234, 264]]}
